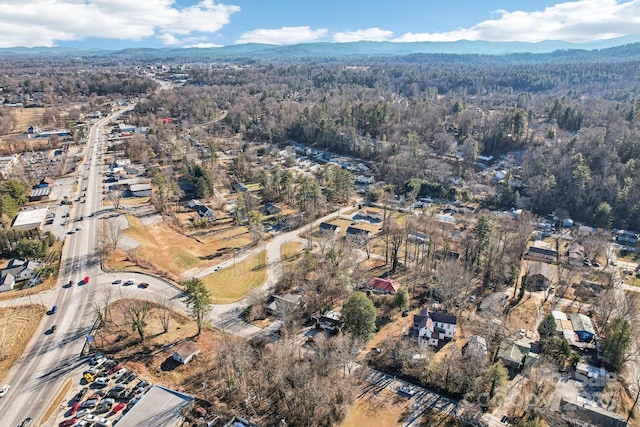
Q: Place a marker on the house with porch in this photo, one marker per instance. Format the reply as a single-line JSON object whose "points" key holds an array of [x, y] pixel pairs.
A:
{"points": [[433, 328]]}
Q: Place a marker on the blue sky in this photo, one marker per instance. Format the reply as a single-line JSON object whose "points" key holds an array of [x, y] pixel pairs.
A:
{"points": [[117, 24]]}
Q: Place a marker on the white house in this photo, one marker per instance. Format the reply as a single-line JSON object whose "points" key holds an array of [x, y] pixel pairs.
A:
{"points": [[185, 353], [432, 328]]}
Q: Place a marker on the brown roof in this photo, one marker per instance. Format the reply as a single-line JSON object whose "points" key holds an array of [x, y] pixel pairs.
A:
{"points": [[187, 349]]}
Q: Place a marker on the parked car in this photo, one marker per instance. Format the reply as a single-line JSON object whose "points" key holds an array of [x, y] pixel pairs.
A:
{"points": [[91, 418], [117, 282], [103, 422], [54, 309], [67, 423], [88, 377], [119, 407], [82, 412], [91, 403], [86, 280], [406, 391], [5, 388], [143, 285], [53, 328], [83, 391], [120, 373], [405, 313], [115, 369], [129, 282], [26, 422], [103, 381], [76, 406]]}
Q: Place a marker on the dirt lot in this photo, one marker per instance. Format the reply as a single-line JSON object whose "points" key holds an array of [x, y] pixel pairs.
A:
{"points": [[17, 326], [384, 409]]}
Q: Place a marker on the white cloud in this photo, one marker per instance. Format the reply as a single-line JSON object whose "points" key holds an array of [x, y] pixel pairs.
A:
{"points": [[573, 21], [370, 34], [284, 35], [45, 22], [202, 45]]}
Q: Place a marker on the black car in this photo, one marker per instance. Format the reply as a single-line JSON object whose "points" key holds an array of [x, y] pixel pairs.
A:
{"points": [[53, 328], [81, 394], [26, 422]]}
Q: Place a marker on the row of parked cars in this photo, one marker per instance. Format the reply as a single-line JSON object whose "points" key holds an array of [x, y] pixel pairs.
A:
{"points": [[95, 403]]}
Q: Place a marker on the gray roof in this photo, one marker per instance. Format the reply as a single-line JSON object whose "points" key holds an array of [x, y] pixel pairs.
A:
{"points": [[542, 269], [42, 191], [159, 406], [580, 322], [140, 187]]}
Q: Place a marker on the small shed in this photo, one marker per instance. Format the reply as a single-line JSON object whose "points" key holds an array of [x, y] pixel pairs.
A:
{"points": [[185, 353]]}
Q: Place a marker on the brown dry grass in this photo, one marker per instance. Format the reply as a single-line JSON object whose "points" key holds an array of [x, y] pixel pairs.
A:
{"points": [[168, 250], [144, 358], [234, 283], [26, 117], [290, 251], [524, 315], [384, 409], [17, 326]]}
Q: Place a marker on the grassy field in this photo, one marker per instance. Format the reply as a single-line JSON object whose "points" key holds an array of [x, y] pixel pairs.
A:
{"points": [[17, 326], [26, 117], [234, 283], [290, 251], [173, 252]]}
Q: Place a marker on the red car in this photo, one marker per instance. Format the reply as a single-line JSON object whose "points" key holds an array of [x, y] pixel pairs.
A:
{"points": [[115, 369], [86, 280], [68, 423], [143, 285], [75, 408], [119, 407]]}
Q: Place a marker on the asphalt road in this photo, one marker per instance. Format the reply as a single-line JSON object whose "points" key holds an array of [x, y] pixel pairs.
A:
{"points": [[50, 356]]}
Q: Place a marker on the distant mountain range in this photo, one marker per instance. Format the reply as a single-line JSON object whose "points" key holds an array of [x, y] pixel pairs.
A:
{"points": [[623, 47]]}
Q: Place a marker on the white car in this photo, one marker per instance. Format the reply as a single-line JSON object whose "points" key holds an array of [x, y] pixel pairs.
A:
{"points": [[82, 412], [4, 390], [90, 418], [120, 373], [104, 422], [129, 282], [102, 381]]}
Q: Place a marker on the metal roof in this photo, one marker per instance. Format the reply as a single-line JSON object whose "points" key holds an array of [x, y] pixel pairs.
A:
{"points": [[159, 406]]}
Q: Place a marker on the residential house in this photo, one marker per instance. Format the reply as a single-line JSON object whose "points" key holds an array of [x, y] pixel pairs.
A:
{"points": [[373, 214], [239, 187], [518, 354], [358, 232], [185, 352], [283, 304], [140, 190], [7, 282], [17, 270], [418, 237], [330, 320], [543, 254], [326, 227], [193, 204], [575, 254], [382, 286], [271, 208], [583, 327], [205, 211], [539, 276], [576, 413], [433, 328]]}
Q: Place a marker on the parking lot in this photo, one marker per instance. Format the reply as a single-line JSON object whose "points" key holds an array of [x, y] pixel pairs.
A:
{"points": [[106, 390]]}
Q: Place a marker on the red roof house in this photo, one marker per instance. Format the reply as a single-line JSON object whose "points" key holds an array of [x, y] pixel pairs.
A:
{"points": [[383, 286]]}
